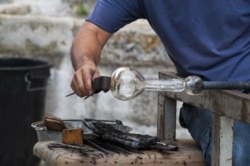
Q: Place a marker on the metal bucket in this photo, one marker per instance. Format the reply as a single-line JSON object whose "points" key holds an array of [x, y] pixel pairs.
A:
{"points": [[47, 135]]}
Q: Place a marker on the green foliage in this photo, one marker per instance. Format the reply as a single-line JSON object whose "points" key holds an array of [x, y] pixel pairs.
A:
{"points": [[81, 10]]}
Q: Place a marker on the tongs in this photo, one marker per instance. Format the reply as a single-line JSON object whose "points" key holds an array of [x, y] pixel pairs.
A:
{"points": [[99, 84]]}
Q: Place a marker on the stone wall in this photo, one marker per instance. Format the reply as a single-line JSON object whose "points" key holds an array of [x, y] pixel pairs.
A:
{"points": [[49, 37]]}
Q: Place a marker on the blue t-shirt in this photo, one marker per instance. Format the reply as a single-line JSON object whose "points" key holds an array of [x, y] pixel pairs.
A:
{"points": [[209, 38]]}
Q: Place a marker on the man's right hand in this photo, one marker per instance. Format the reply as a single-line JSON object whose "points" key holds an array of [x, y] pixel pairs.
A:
{"points": [[85, 55], [82, 80]]}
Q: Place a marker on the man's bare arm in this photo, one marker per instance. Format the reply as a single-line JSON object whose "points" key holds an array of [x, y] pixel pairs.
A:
{"points": [[85, 55]]}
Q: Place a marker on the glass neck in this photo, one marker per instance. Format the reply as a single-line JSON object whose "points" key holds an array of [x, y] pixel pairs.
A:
{"points": [[171, 85]]}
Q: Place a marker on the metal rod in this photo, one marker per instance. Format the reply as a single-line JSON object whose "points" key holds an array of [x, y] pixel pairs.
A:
{"points": [[227, 85], [167, 146], [93, 144], [75, 93], [70, 94]]}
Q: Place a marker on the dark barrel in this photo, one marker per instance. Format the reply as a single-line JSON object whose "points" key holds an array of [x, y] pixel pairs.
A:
{"points": [[23, 84]]}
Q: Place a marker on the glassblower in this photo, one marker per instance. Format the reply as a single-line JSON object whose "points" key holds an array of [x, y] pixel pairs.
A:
{"points": [[127, 83]]}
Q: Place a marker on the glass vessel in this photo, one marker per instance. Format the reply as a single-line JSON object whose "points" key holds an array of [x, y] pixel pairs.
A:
{"points": [[127, 83]]}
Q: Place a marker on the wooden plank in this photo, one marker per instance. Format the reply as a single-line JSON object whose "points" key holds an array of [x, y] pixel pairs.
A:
{"points": [[166, 118], [222, 141], [170, 119], [188, 154]]}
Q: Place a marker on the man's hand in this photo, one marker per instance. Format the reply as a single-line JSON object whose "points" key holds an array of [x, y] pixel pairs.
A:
{"points": [[82, 80]]}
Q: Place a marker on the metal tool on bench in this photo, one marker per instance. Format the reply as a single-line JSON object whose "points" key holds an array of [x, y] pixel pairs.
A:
{"points": [[69, 146], [109, 136], [55, 124], [127, 83], [108, 133]]}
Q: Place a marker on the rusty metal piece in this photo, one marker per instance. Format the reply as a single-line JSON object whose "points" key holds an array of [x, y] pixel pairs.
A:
{"points": [[136, 141], [73, 136], [99, 84], [53, 123]]}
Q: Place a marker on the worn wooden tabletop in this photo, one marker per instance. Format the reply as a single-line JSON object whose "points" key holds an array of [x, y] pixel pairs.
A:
{"points": [[188, 154]]}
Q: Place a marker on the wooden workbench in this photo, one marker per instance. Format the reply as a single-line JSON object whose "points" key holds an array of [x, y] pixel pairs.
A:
{"points": [[188, 154]]}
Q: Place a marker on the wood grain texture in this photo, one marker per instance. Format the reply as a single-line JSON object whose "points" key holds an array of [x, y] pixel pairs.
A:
{"points": [[188, 154]]}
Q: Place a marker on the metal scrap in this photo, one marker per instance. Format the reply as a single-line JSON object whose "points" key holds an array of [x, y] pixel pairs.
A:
{"points": [[108, 133]]}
